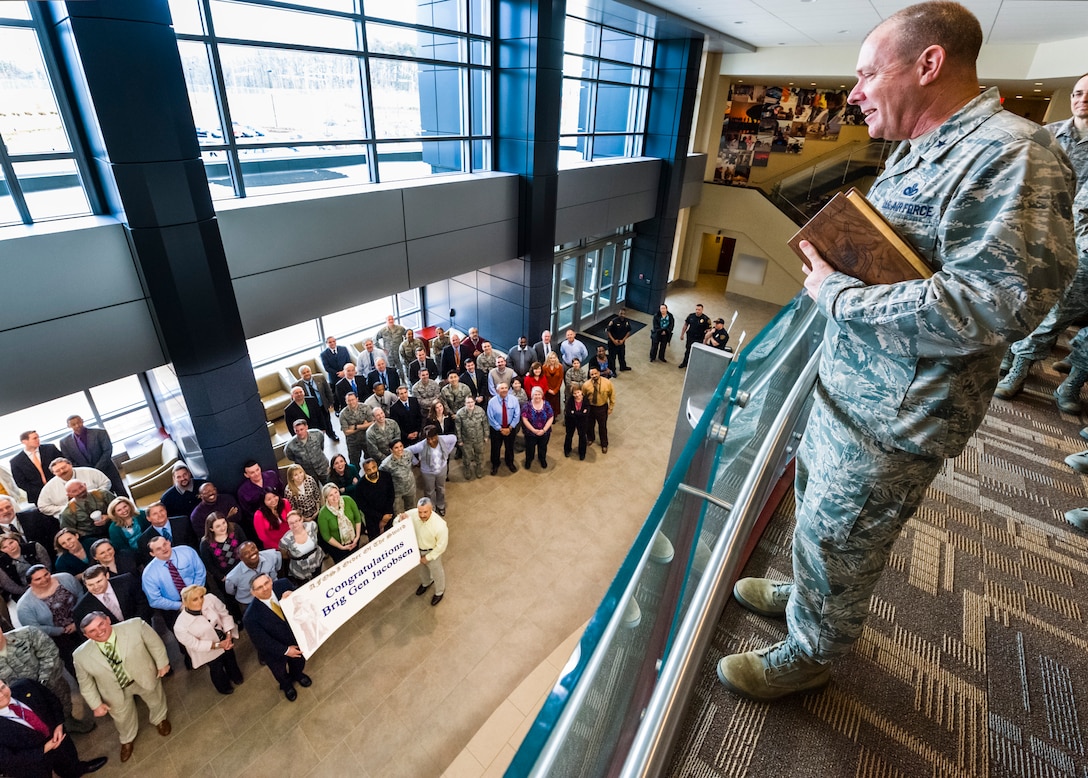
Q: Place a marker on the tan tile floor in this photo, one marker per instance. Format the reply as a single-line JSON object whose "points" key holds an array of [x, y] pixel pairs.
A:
{"points": [[411, 690]]}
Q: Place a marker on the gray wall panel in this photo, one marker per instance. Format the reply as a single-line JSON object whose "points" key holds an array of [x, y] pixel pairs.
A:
{"points": [[632, 208], [63, 272], [598, 198], [260, 236], [97, 346], [279, 298], [692, 191], [449, 205], [441, 256]]}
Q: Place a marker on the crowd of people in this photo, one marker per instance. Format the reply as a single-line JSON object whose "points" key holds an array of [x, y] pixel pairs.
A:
{"points": [[100, 585]]}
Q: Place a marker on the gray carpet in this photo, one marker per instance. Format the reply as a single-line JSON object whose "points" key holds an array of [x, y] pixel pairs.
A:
{"points": [[974, 659]]}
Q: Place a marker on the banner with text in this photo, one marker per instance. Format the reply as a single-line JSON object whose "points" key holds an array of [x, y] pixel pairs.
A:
{"points": [[318, 608]]}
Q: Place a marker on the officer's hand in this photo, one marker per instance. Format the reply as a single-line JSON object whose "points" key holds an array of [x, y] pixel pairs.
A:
{"points": [[818, 273]]}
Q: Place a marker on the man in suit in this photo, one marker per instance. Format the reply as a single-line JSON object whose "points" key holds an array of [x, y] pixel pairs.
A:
{"points": [[118, 663], [119, 597], [408, 415], [176, 529], [171, 570], [383, 374], [369, 356], [476, 381], [91, 447], [334, 359], [30, 467], [183, 496], [421, 362], [305, 408], [276, 644], [316, 387], [544, 347], [32, 524], [450, 359], [33, 743], [351, 382]]}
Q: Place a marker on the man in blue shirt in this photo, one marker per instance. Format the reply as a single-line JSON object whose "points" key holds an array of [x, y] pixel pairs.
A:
{"points": [[503, 414], [171, 569]]}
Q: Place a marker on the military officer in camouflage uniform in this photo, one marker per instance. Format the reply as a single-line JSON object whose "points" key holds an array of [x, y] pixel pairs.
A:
{"points": [[439, 342], [409, 347], [355, 418], [474, 435], [389, 338], [81, 504], [28, 652], [307, 450], [426, 391], [399, 465], [488, 359], [380, 435], [907, 369], [1072, 135], [576, 375], [454, 393]]}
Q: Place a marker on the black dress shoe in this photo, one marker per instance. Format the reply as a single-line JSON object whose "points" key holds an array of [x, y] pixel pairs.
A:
{"points": [[513, 467], [422, 588], [494, 470], [437, 599], [335, 439], [624, 369], [604, 449], [290, 694], [544, 464], [305, 681], [93, 765], [566, 453]]}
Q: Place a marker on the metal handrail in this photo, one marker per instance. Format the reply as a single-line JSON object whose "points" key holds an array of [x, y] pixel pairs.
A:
{"points": [[663, 715]]}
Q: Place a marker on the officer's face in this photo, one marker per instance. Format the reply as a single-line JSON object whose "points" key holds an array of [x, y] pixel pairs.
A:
{"points": [[1078, 100], [887, 90]]}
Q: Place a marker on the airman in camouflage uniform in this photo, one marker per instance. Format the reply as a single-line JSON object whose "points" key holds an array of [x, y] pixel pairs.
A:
{"points": [[380, 435], [439, 342], [408, 349], [426, 391], [389, 338], [907, 369], [399, 465], [355, 418], [454, 394], [77, 513], [576, 375], [27, 652], [488, 359], [474, 435], [1072, 136]]}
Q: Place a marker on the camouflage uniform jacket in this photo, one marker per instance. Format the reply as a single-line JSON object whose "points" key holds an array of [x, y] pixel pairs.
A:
{"points": [[379, 439], [390, 338], [987, 198], [426, 393], [438, 343], [487, 362], [1076, 148], [472, 426], [77, 513], [454, 397], [363, 414], [404, 480]]}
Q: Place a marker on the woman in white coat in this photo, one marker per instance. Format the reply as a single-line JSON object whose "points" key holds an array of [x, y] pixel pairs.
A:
{"points": [[208, 631]]}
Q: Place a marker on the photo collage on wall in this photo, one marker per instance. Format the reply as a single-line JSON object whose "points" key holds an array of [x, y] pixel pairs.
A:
{"points": [[764, 120]]}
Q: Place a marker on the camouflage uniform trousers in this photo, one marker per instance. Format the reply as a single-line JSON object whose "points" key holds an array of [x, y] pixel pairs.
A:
{"points": [[853, 497], [1073, 306]]}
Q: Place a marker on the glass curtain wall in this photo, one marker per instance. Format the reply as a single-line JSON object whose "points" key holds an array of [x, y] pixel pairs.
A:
{"points": [[125, 408], [589, 280], [606, 85], [42, 174], [309, 95]]}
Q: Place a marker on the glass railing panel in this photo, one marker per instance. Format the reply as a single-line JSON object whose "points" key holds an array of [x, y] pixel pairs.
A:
{"points": [[594, 707]]}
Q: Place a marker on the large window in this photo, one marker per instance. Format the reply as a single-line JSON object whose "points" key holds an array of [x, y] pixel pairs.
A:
{"points": [[41, 176], [606, 81], [120, 407], [290, 96]]}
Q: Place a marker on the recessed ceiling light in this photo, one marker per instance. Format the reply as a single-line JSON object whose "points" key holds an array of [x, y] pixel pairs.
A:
{"points": [[813, 83], [1019, 97], [1046, 98], [842, 86], [1038, 83], [1037, 90]]}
